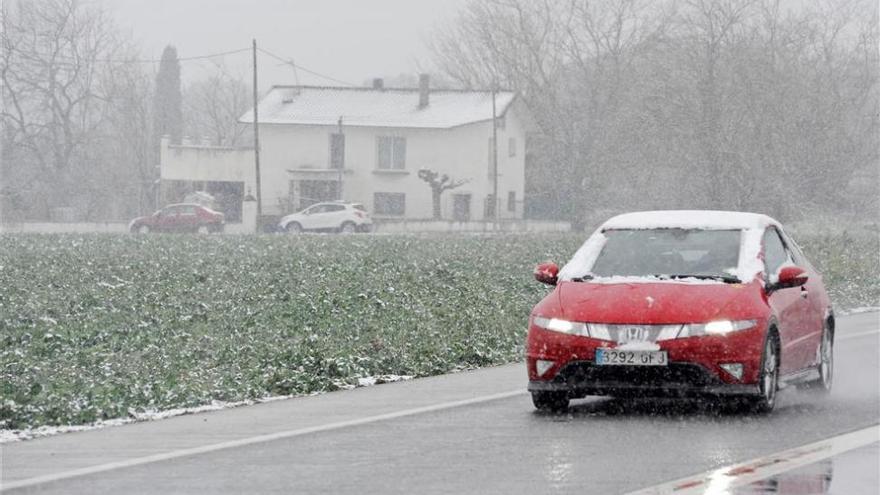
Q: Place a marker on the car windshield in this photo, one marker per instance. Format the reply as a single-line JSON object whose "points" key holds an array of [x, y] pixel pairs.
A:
{"points": [[668, 252]]}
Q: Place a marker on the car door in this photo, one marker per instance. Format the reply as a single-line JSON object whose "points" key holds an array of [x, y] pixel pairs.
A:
{"points": [[817, 301], [167, 221], [336, 214], [187, 218], [789, 305], [312, 217]]}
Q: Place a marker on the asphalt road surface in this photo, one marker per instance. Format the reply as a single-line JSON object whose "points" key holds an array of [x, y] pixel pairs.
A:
{"points": [[473, 432]]}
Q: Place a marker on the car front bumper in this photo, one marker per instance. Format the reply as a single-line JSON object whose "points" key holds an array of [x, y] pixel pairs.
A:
{"points": [[582, 378]]}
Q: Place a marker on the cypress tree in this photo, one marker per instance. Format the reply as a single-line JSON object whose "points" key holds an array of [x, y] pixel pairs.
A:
{"points": [[167, 114]]}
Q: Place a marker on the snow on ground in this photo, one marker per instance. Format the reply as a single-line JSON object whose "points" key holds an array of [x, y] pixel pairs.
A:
{"points": [[861, 309], [7, 436]]}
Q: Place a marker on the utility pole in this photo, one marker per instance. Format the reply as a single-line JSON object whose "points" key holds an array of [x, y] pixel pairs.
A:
{"points": [[494, 160], [257, 146], [341, 152]]}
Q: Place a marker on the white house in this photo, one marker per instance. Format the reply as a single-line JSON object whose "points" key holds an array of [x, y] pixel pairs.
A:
{"points": [[367, 145]]}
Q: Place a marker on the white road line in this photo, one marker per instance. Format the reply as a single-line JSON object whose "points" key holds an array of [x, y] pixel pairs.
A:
{"points": [[138, 461], [723, 479], [848, 336]]}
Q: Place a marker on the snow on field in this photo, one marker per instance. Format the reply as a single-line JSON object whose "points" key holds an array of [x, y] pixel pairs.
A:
{"points": [[7, 436]]}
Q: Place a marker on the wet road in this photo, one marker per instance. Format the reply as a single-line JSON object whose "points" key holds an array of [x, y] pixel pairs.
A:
{"points": [[488, 445]]}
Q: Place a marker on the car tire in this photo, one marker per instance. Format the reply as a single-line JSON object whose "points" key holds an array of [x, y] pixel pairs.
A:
{"points": [[822, 385], [768, 379], [293, 228], [348, 228], [550, 401]]}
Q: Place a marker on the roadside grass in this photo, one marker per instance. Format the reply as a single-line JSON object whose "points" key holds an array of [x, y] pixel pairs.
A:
{"points": [[106, 326]]}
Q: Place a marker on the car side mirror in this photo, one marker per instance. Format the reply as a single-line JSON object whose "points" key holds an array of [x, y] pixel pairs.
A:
{"points": [[547, 273], [790, 276]]}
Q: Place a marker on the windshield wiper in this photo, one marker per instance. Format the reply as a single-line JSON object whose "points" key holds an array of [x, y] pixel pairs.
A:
{"points": [[582, 278], [730, 279]]}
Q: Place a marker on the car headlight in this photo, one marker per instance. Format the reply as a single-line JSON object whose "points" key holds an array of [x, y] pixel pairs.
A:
{"points": [[719, 327], [562, 326]]}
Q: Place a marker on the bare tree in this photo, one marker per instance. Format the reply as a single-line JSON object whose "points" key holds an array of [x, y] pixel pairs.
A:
{"points": [[680, 103], [213, 105], [439, 183], [56, 100]]}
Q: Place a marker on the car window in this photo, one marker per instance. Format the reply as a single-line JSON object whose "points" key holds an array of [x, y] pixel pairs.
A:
{"points": [[188, 210], [334, 208], [681, 252], [358, 206], [315, 209], [169, 211], [794, 250], [775, 254]]}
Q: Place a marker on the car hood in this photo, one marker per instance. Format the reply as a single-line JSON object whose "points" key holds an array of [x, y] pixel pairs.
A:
{"points": [[651, 303]]}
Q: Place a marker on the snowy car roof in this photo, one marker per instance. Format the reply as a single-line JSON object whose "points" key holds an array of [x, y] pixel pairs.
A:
{"points": [[689, 219], [369, 107]]}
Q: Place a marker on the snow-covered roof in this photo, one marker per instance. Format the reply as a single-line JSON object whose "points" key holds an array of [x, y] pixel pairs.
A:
{"points": [[369, 107], [689, 219]]}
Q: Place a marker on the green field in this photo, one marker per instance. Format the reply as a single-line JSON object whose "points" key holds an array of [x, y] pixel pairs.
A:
{"points": [[97, 326]]}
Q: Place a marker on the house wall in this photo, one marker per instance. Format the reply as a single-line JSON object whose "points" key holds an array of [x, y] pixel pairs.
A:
{"points": [[207, 163], [295, 152]]}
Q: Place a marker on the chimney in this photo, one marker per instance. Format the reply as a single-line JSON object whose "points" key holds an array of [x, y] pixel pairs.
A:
{"points": [[378, 83], [424, 89]]}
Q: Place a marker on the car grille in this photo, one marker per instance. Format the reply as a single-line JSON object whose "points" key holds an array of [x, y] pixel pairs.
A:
{"points": [[580, 373], [634, 333]]}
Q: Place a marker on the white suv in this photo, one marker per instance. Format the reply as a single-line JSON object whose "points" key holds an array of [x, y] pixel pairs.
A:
{"points": [[337, 216]]}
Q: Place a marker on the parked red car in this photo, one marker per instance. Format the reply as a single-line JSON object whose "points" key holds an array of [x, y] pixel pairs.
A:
{"points": [[681, 303], [184, 217]]}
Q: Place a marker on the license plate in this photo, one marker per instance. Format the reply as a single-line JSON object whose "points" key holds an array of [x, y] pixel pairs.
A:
{"points": [[612, 357]]}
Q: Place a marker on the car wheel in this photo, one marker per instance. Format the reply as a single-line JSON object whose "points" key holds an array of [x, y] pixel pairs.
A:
{"points": [[143, 229], [826, 364], [551, 401], [293, 228], [348, 228], [203, 229], [768, 380]]}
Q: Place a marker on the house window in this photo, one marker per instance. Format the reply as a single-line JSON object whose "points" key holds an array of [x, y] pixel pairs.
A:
{"points": [[391, 153], [461, 207], [489, 210], [511, 201], [511, 147], [337, 151], [389, 203]]}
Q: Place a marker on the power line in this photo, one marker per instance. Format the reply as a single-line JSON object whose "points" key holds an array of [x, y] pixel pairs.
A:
{"points": [[180, 59], [304, 69], [70, 60]]}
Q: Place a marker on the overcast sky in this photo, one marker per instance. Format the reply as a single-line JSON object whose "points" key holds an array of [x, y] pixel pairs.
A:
{"points": [[351, 40]]}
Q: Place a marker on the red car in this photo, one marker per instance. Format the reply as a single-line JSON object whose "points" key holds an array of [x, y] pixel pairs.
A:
{"points": [[681, 303], [184, 217]]}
